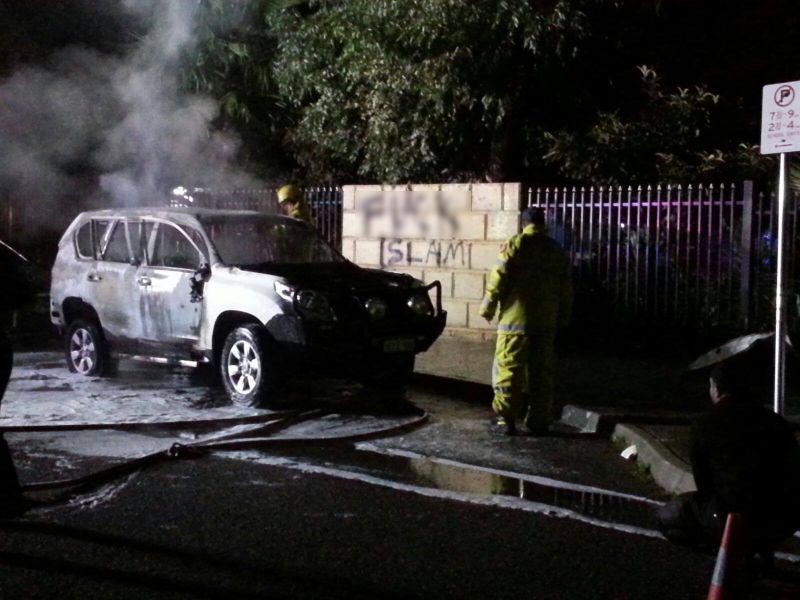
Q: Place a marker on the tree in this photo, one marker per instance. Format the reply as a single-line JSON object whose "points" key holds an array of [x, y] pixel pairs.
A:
{"points": [[232, 61], [436, 90], [401, 90], [679, 135]]}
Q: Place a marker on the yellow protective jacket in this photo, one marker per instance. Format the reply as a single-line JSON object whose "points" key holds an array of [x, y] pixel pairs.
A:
{"points": [[300, 211], [530, 282]]}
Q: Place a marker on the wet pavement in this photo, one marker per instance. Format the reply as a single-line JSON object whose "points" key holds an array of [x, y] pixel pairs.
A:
{"points": [[252, 512], [156, 407], [234, 528]]}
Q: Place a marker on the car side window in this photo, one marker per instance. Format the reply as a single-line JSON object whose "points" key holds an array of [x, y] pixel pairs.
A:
{"points": [[101, 229], [117, 247], [171, 247], [124, 243], [134, 229], [83, 241]]}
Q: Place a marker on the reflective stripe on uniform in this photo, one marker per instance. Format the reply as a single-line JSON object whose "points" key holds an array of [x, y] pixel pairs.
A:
{"points": [[519, 328]]}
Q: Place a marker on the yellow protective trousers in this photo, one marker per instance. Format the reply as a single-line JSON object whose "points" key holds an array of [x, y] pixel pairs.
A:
{"points": [[522, 377]]}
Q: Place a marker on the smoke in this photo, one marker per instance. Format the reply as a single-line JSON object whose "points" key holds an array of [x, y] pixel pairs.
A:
{"points": [[120, 118]]}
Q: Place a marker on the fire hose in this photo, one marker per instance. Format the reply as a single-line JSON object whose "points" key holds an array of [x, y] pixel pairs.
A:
{"points": [[268, 425]]}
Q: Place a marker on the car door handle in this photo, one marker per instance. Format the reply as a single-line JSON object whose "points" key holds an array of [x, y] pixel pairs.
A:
{"points": [[93, 277], [144, 281]]}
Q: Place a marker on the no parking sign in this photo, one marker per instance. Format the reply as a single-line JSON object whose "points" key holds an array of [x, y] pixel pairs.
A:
{"points": [[780, 118], [780, 134]]}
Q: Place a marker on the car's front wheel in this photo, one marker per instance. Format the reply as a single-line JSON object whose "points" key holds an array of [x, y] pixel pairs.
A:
{"points": [[86, 349], [248, 367]]}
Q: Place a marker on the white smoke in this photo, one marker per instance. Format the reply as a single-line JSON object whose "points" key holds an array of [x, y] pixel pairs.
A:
{"points": [[123, 117]]}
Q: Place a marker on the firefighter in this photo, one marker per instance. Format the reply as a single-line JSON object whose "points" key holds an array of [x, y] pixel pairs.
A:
{"points": [[292, 203], [530, 282]]}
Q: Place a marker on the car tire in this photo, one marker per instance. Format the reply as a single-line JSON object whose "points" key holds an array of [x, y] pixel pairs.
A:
{"points": [[248, 367], [87, 350]]}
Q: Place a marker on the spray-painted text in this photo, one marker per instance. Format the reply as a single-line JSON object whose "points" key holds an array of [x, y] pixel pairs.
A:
{"points": [[439, 253]]}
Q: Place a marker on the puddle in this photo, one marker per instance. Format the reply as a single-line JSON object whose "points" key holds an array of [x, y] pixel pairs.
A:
{"points": [[464, 479]]}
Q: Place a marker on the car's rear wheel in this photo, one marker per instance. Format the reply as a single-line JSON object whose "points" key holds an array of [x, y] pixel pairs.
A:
{"points": [[249, 368], [86, 349]]}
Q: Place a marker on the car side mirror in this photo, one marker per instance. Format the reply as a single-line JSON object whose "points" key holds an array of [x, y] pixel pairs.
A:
{"points": [[198, 281], [203, 272]]}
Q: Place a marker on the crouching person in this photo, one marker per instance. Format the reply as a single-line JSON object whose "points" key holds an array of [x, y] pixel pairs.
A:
{"points": [[745, 459]]}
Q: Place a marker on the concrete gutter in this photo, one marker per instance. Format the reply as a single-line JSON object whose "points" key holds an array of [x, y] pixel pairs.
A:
{"points": [[602, 420], [668, 470]]}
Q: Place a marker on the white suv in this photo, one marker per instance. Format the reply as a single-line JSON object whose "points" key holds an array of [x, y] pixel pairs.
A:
{"points": [[259, 297]]}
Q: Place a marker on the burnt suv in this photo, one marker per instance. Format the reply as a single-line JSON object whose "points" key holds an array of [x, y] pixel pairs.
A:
{"points": [[258, 297]]}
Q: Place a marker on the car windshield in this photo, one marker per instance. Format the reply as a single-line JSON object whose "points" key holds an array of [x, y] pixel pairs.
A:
{"points": [[259, 239]]}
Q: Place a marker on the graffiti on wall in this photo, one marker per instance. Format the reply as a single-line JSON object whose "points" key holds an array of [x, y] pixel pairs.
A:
{"points": [[410, 213], [438, 253]]}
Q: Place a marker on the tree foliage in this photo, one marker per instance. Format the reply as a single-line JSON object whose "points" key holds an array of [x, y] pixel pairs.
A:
{"points": [[232, 61], [400, 90], [675, 135], [437, 90]]}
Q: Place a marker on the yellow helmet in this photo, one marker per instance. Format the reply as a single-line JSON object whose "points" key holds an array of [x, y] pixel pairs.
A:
{"points": [[289, 193]]}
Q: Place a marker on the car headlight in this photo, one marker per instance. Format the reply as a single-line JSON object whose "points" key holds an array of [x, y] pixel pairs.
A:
{"points": [[315, 306], [420, 305], [376, 308]]}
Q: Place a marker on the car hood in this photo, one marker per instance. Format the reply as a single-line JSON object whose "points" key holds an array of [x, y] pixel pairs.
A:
{"points": [[335, 276]]}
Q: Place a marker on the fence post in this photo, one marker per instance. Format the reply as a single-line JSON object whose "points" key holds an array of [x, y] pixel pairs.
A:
{"points": [[746, 254]]}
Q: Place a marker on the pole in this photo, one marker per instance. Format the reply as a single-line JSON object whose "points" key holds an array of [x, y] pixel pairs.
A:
{"points": [[780, 310]]}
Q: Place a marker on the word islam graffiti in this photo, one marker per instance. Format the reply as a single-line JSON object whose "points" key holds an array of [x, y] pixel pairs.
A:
{"points": [[442, 253]]}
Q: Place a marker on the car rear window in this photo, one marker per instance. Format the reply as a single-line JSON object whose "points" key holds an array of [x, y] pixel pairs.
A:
{"points": [[83, 241]]}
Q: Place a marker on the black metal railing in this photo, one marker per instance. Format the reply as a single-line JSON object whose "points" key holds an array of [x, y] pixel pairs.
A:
{"points": [[694, 255]]}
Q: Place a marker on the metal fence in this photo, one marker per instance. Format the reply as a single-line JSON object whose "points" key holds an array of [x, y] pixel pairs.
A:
{"points": [[325, 203], [694, 255]]}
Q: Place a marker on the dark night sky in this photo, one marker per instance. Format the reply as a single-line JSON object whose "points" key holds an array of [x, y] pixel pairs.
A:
{"points": [[730, 44], [735, 46]]}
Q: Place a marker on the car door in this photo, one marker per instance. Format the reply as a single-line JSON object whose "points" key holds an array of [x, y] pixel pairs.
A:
{"points": [[172, 315], [116, 293]]}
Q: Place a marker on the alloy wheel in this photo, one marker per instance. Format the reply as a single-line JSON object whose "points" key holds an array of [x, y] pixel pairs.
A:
{"points": [[82, 351], [244, 367]]}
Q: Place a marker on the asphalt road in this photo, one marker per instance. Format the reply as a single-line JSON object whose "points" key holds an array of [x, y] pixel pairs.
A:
{"points": [[315, 522], [214, 527]]}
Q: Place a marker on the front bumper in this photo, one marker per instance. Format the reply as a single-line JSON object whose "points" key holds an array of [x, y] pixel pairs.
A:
{"points": [[353, 343], [355, 340]]}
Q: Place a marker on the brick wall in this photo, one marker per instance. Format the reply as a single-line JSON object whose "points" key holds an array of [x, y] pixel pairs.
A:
{"points": [[449, 232]]}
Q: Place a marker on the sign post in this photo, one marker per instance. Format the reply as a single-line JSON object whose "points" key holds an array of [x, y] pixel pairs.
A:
{"points": [[780, 133]]}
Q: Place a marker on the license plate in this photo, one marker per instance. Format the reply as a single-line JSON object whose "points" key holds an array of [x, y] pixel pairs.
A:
{"points": [[399, 345]]}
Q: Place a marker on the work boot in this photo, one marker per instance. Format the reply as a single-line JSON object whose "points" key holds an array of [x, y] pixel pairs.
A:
{"points": [[504, 425]]}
